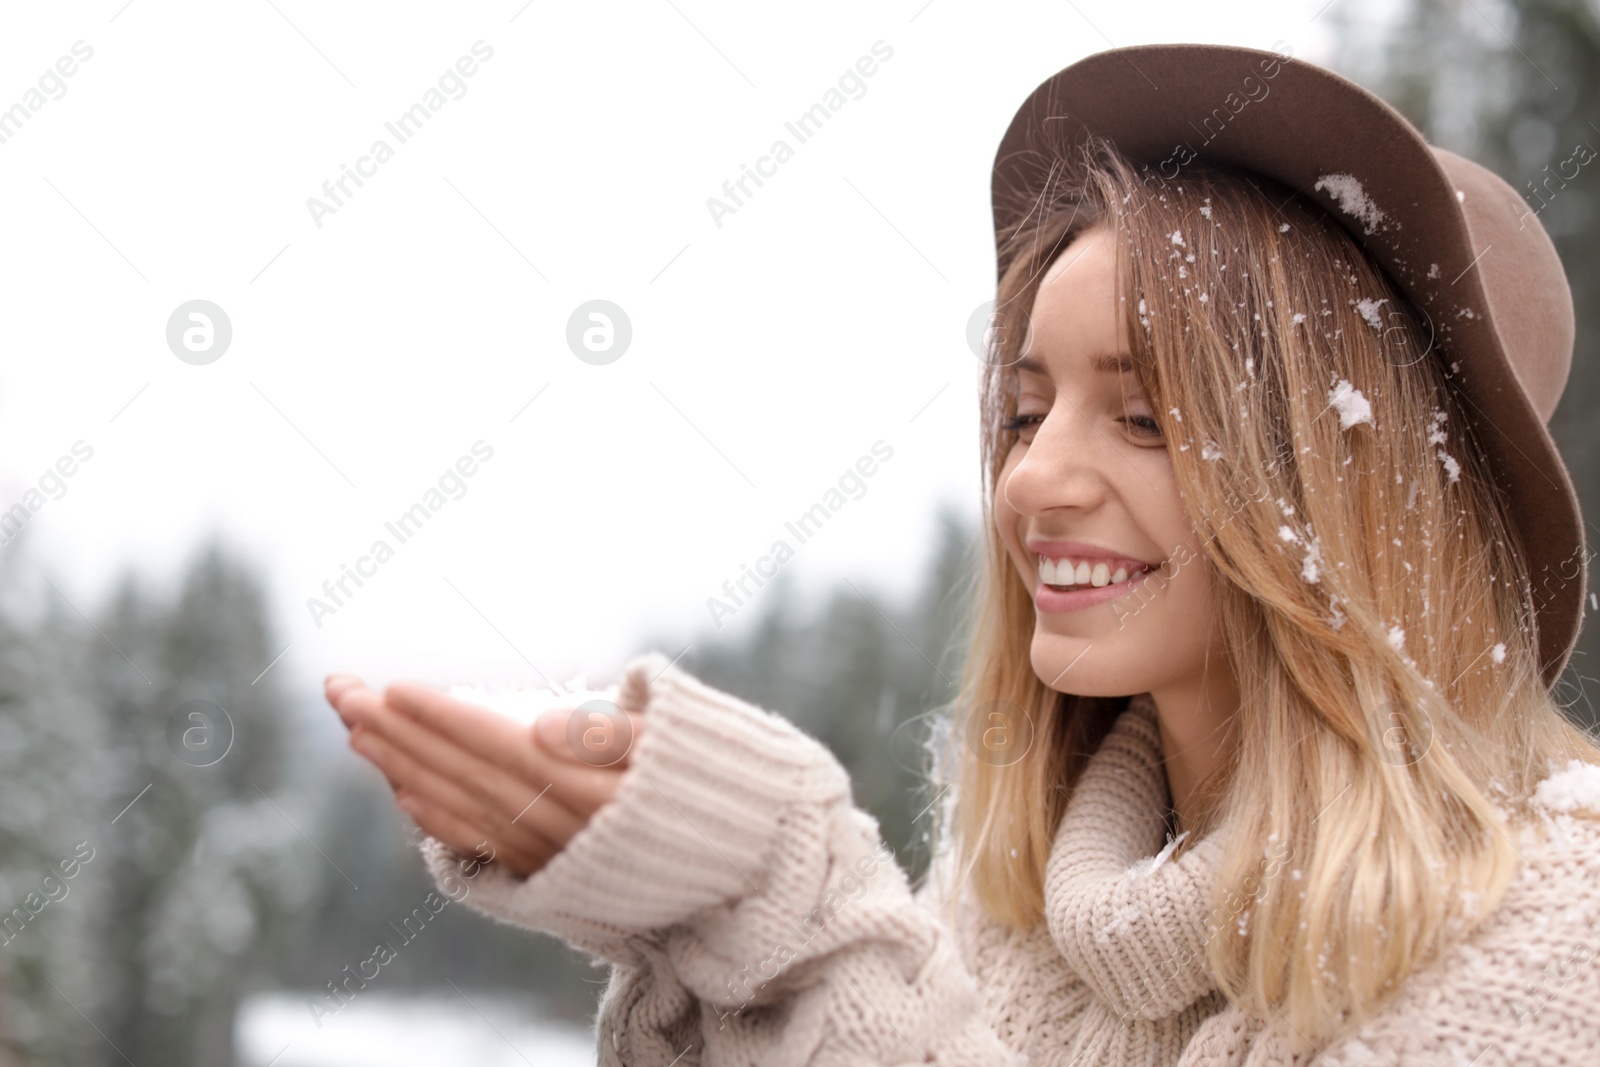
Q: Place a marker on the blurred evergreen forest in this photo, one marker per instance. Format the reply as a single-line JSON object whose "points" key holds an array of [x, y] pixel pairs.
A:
{"points": [[275, 865], [278, 865]]}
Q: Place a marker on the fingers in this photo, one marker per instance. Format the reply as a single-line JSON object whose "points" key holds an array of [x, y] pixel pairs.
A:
{"points": [[529, 788], [503, 795], [488, 734], [577, 785], [488, 815], [337, 687], [464, 838]]}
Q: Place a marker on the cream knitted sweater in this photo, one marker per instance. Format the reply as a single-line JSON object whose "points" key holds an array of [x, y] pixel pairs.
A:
{"points": [[751, 914]]}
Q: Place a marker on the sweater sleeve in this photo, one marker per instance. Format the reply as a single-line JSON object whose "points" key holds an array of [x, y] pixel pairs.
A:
{"points": [[751, 913]]}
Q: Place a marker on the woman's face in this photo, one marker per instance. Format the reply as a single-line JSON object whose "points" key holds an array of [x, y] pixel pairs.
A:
{"points": [[1087, 504]]}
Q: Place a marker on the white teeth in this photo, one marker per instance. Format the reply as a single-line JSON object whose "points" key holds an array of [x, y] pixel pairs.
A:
{"points": [[1062, 572]]}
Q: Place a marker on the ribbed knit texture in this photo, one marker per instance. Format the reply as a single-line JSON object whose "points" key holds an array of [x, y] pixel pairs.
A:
{"points": [[751, 915]]}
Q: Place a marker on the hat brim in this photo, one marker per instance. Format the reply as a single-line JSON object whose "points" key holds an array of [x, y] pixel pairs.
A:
{"points": [[1294, 122]]}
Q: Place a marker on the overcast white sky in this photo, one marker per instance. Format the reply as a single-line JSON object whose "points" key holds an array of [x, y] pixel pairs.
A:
{"points": [[369, 353]]}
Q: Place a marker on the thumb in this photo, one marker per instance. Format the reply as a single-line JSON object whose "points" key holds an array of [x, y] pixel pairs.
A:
{"points": [[597, 732]]}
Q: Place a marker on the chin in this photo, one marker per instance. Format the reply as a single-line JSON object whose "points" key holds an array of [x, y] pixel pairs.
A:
{"points": [[1101, 673]]}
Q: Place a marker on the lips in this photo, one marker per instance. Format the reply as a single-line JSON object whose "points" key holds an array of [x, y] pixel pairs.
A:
{"points": [[1055, 600]]}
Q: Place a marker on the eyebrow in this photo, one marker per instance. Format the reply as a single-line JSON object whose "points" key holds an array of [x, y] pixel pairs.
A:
{"points": [[1102, 364]]}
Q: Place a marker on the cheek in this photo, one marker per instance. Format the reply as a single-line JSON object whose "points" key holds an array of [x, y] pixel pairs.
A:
{"points": [[1158, 508], [1191, 588], [1189, 598], [1186, 595]]}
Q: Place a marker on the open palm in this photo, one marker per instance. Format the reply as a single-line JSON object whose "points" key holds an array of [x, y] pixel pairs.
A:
{"points": [[480, 782]]}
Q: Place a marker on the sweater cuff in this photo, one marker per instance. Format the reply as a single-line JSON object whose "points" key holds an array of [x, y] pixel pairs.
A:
{"points": [[710, 782]]}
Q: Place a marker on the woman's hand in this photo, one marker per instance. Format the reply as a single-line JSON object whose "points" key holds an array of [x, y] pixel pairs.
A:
{"points": [[481, 782]]}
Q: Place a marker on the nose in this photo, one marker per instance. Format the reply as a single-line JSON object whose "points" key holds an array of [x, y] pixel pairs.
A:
{"points": [[1062, 467]]}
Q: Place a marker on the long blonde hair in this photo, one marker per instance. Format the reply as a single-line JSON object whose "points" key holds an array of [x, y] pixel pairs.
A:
{"points": [[1372, 592]]}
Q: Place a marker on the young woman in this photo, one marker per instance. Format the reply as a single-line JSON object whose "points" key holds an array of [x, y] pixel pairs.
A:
{"points": [[1238, 470]]}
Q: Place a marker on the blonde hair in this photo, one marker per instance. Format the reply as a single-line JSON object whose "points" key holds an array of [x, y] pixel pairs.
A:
{"points": [[1368, 583]]}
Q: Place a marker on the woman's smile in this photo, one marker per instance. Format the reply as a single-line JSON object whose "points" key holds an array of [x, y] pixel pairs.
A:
{"points": [[1074, 574], [1054, 597]]}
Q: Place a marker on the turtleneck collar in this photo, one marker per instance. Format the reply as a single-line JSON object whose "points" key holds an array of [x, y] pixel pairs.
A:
{"points": [[1130, 920]]}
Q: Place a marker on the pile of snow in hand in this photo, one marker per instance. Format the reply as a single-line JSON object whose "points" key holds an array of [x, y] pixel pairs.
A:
{"points": [[526, 705]]}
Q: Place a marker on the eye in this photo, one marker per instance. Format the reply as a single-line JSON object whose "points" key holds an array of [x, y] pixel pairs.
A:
{"points": [[1146, 425], [1019, 423], [1138, 419]]}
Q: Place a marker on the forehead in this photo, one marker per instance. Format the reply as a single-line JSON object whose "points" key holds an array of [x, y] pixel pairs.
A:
{"points": [[1101, 363], [1075, 315], [1092, 245]]}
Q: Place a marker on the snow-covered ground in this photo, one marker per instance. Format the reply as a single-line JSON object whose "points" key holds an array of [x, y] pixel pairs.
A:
{"points": [[378, 1030]]}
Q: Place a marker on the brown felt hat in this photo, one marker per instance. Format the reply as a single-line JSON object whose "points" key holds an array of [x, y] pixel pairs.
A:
{"points": [[1460, 242]]}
